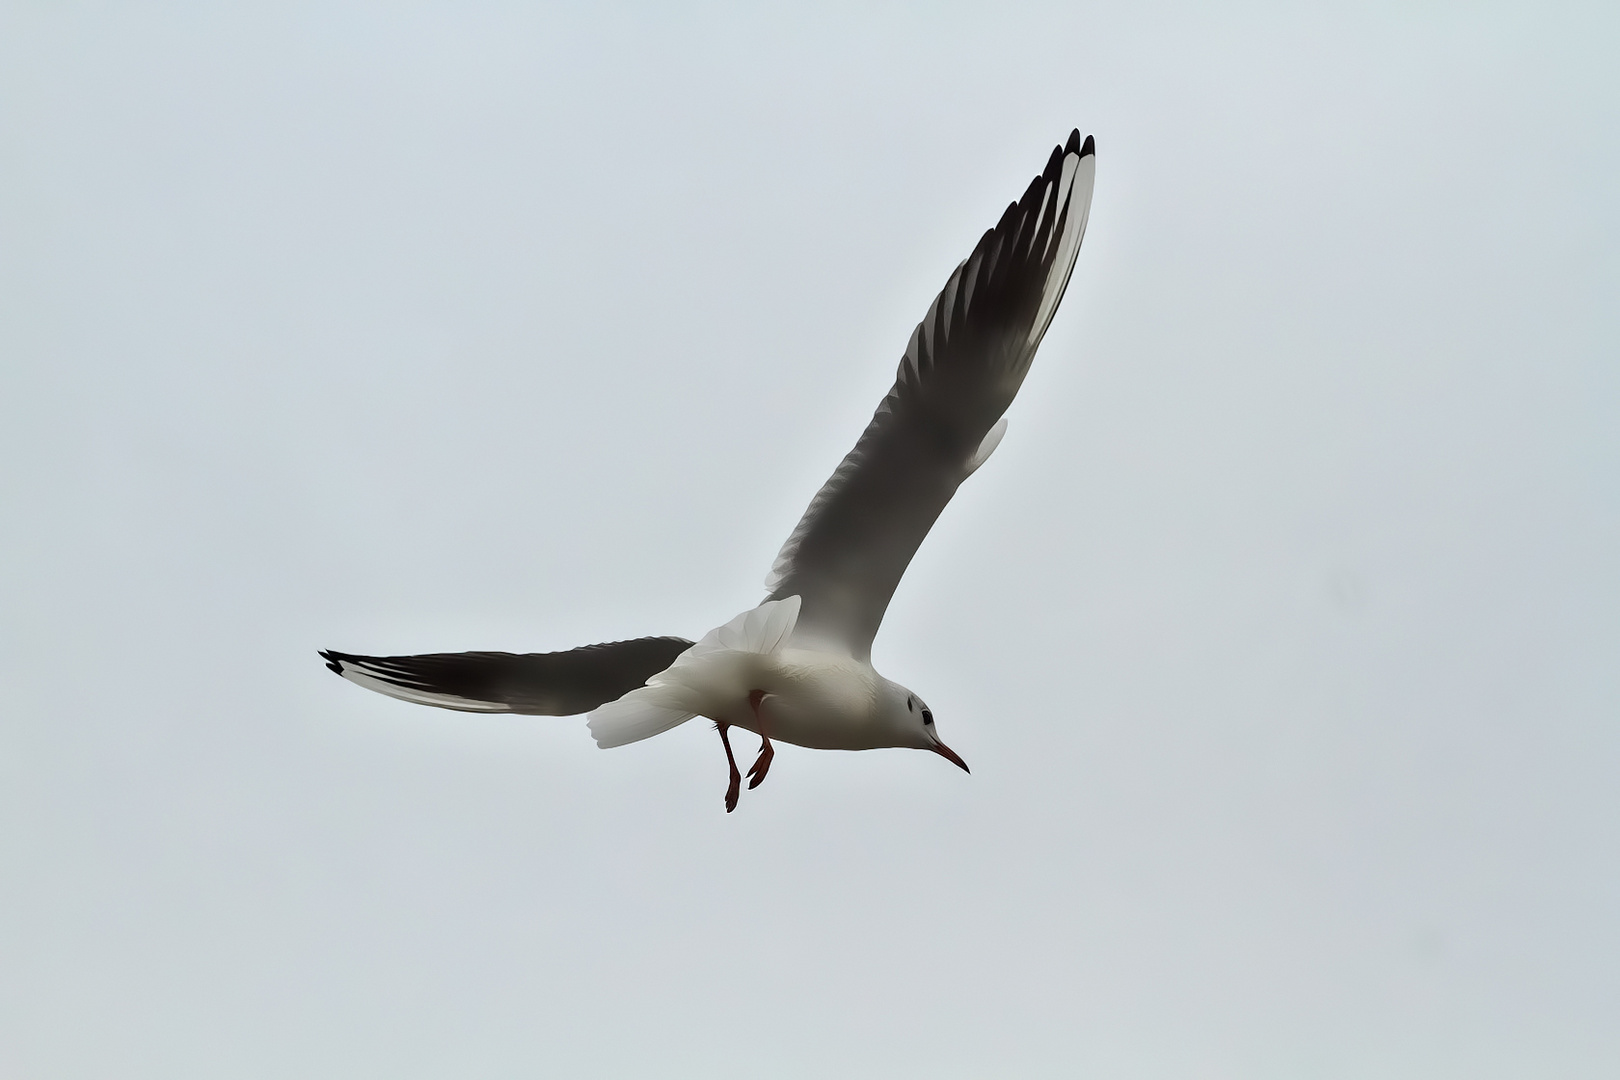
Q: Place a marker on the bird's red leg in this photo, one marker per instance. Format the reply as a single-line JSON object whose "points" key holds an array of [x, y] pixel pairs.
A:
{"points": [[736, 780], [762, 764]]}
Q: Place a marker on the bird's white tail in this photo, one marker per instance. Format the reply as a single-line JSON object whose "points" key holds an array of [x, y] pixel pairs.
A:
{"points": [[667, 699]]}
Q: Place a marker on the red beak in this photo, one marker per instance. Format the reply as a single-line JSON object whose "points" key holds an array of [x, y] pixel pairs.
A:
{"points": [[950, 755]]}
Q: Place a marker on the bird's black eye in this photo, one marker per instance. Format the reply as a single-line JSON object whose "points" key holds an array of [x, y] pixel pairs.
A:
{"points": [[928, 717], [911, 704]]}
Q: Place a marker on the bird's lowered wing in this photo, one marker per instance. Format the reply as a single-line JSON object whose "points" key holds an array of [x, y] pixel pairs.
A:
{"points": [[939, 422], [545, 684]]}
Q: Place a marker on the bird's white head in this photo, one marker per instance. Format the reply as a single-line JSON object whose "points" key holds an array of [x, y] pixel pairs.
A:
{"points": [[913, 723]]}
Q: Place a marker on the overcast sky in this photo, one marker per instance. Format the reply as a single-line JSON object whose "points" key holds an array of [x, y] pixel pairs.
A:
{"points": [[1282, 632]]}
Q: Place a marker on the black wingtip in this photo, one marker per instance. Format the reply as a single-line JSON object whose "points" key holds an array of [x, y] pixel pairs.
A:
{"points": [[333, 664], [1073, 145], [1009, 218], [1090, 148]]}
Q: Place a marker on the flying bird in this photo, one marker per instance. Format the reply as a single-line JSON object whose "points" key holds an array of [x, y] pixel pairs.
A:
{"points": [[798, 668]]}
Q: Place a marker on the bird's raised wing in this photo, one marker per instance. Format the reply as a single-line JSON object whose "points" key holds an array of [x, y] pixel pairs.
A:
{"points": [[543, 684], [942, 418]]}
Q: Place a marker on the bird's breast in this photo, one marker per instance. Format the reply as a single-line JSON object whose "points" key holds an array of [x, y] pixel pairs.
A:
{"points": [[818, 700]]}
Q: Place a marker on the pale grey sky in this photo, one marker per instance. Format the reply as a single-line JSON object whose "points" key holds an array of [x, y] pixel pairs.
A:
{"points": [[1281, 632]]}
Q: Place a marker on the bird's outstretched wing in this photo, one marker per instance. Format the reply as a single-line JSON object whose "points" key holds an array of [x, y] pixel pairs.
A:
{"points": [[939, 422], [545, 684]]}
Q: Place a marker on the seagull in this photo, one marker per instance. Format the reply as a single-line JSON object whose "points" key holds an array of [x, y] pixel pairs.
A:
{"points": [[798, 667]]}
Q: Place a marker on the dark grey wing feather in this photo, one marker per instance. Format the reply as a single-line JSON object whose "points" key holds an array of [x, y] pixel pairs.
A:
{"points": [[543, 684], [964, 365]]}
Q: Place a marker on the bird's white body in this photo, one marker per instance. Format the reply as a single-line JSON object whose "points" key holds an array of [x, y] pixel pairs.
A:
{"points": [[815, 699], [750, 673], [820, 700]]}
